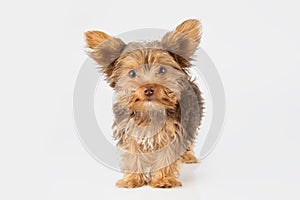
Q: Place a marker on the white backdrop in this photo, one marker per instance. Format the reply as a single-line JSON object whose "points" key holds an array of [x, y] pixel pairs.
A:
{"points": [[255, 46]]}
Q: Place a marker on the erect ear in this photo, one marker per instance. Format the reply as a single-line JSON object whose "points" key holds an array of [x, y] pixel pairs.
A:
{"points": [[184, 40], [105, 49]]}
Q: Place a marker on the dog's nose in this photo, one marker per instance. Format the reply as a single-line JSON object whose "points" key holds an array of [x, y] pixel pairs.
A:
{"points": [[149, 91]]}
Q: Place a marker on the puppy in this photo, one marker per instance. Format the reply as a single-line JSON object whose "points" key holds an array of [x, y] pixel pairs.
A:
{"points": [[158, 109]]}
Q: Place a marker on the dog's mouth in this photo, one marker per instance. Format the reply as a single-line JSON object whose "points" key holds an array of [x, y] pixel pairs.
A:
{"points": [[152, 96], [152, 101], [149, 99]]}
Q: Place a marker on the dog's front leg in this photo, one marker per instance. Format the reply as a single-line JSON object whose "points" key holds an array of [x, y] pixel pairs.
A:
{"points": [[133, 165], [166, 177], [132, 180]]}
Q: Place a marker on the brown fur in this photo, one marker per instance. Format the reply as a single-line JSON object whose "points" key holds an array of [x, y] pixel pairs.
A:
{"points": [[166, 177], [155, 132], [94, 38], [132, 180], [184, 40], [189, 156]]}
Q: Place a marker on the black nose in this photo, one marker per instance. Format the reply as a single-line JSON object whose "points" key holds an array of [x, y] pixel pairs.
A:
{"points": [[149, 91]]}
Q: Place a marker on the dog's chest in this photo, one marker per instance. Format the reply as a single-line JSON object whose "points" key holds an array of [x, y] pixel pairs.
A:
{"points": [[150, 136]]}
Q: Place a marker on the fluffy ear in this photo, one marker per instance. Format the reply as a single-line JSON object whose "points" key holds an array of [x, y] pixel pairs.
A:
{"points": [[105, 50], [184, 40], [94, 38]]}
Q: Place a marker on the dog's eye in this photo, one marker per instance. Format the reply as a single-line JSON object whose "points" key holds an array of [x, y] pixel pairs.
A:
{"points": [[162, 70], [132, 73]]}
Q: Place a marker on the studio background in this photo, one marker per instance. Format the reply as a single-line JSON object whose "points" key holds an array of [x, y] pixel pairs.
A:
{"points": [[255, 46]]}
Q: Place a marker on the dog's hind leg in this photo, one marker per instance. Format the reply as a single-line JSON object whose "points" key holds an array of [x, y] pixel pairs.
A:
{"points": [[189, 156]]}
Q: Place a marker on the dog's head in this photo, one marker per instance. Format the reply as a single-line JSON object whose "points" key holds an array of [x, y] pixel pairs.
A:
{"points": [[147, 75]]}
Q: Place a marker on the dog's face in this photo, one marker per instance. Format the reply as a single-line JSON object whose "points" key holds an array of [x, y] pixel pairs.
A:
{"points": [[148, 79], [146, 76]]}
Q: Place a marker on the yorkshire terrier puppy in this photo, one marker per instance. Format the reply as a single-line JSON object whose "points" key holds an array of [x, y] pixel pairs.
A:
{"points": [[158, 109]]}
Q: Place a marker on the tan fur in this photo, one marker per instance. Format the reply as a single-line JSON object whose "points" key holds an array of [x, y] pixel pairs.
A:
{"points": [[183, 41], [191, 29], [166, 177], [94, 38], [155, 132], [162, 96], [132, 180], [189, 156]]}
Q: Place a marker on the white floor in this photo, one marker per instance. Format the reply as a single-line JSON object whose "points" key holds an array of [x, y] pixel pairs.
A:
{"points": [[228, 173]]}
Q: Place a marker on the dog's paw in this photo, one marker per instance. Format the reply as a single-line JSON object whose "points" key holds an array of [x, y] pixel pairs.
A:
{"points": [[165, 183], [130, 183], [189, 157]]}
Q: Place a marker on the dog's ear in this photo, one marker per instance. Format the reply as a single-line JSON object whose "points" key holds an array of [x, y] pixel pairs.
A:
{"points": [[105, 50], [184, 40]]}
